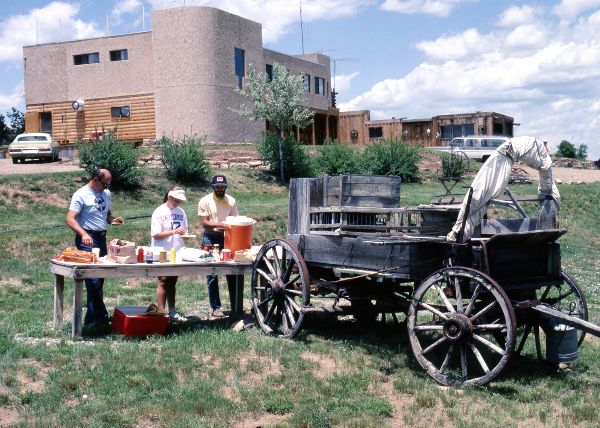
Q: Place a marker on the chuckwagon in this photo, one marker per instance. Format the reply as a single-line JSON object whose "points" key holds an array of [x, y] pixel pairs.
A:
{"points": [[351, 249]]}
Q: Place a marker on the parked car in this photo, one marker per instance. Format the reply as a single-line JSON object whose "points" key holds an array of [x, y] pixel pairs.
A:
{"points": [[33, 146], [477, 147]]}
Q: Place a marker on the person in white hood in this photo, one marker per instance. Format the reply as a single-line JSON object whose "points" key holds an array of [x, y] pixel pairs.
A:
{"points": [[491, 180]]}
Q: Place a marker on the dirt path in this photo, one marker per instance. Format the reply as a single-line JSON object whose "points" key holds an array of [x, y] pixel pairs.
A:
{"points": [[35, 167], [567, 175]]}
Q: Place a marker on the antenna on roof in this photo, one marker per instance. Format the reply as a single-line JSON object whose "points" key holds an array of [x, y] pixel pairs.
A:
{"points": [[143, 18], [301, 28], [107, 24]]}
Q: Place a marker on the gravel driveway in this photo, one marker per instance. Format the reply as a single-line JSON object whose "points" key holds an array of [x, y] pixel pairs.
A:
{"points": [[35, 167]]}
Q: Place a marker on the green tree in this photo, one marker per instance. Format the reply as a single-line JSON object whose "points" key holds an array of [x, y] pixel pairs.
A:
{"points": [[393, 157], [279, 101], [4, 131], [17, 121], [566, 150], [582, 152], [184, 159]]}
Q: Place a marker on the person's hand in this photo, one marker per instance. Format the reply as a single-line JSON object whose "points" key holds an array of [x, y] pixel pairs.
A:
{"points": [[179, 231], [117, 220], [86, 240]]}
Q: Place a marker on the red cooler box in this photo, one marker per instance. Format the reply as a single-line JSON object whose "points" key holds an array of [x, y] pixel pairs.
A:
{"points": [[133, 321]]}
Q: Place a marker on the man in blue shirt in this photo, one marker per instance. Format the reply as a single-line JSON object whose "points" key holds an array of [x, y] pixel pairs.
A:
{"points": [[88, 216]]}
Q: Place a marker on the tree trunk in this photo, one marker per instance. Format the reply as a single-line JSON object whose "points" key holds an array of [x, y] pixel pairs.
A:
{"points": [[281, 168]]}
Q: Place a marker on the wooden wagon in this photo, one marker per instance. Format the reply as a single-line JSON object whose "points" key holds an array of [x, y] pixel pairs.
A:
{"points": [[468, 307]]}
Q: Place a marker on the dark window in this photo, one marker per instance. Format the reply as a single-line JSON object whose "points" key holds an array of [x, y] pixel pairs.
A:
{"points": [[306, 78], [89, 58], [457, 142], [270, 72], [498, 128], [453, 131], [120, 55], [119, 112], [46, 122], [376, 132], [470, 142], [495, 142], [319, 86], [240, 65]]}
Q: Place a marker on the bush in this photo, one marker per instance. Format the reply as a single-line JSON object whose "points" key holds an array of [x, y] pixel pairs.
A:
{"points": [[566, 150], [119, 157], [582, 152], [296, 161], [393, 157], [184, 160], [335, 158], [453, 165]]}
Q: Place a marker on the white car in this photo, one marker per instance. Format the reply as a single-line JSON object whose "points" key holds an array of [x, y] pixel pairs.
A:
{"points": [[478, 147], [33, 146]]}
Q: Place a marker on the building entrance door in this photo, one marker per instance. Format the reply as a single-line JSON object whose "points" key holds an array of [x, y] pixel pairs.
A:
{"points": [[46, 122]]}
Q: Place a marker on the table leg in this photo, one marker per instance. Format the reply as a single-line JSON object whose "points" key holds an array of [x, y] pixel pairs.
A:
{"points": [[59, 291], [77, 301], [236, 294]]}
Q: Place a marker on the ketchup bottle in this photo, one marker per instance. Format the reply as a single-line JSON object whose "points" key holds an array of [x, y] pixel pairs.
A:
{"points": [[140, 255]]}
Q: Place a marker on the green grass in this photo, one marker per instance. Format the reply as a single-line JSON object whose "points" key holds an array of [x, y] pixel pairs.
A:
{"points": [[336, 373]]}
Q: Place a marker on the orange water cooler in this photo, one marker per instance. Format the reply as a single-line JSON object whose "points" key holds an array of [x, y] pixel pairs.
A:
{"points": [[238, 238]]}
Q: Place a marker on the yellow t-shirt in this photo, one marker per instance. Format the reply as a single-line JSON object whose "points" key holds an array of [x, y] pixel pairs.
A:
{"points": [[217, 209]]}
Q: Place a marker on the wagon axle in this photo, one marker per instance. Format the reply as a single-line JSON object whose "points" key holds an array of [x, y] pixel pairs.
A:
{"points": [[458, 328]]}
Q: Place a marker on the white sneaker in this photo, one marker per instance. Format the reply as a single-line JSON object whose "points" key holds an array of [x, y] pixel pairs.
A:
{"points": [[177, 317]]}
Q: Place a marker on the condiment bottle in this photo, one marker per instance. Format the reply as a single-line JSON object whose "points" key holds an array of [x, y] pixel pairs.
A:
{"points": [[140, 255], [163, 256], [149, 257], [216, 254], [173, 255]]}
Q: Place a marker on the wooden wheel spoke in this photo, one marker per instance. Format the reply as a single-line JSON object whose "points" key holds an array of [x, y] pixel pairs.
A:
{"points": [[277, 263], [292, 280], [524, 338], [293, 303], [480, 359], [488, 344], [288, 270], [483, 327], [458, 292], [281, 313], [472, 301], [463, 363], [428, 327], [290, 314], [447, 358], [433, 310], [262, 302], [270, 313], [445, 299], [434, 345], [267, 263], [264, 275], [484, 310]]}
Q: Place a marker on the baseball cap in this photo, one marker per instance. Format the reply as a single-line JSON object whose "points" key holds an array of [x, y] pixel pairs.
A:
{"points": [[178, 194], [218, 180]]}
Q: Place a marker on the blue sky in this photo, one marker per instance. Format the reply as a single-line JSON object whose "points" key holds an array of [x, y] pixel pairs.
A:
{"points": [[537, 61]]}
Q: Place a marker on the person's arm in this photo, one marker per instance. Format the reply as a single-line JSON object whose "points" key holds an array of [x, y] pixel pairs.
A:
{"points": [[114, 219], [75, 227], [206, 223]]}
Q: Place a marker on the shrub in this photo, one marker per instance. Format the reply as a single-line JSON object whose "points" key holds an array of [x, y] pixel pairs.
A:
{"points": [[566, 150], [184, 159], [582, 152], [335, 158], [295, 157], [393, 157], [453, 165], [119, 157]]}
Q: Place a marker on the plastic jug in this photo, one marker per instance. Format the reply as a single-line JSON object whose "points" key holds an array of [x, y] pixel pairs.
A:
{"points": [[239, 234]]}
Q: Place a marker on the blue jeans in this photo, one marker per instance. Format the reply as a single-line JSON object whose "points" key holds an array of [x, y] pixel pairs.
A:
{"points": [[212, 281], [96, 310]]}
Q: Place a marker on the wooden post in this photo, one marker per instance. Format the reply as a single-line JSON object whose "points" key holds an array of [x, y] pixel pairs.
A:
{"points": [[77, 302], [236, 294], [59, 291]]}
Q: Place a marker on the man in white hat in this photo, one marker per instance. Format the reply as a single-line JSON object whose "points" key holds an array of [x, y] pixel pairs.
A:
{"points": [[168, 224]]}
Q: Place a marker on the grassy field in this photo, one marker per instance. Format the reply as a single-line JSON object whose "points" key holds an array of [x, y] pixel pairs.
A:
{"points": [[336, 373]]}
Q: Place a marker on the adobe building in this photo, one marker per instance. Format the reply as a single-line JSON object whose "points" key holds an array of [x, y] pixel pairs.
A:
{"points": [[355, 127], [177, 80]]}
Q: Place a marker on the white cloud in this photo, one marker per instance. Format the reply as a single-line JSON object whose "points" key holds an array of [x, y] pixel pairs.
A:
{"points": [[570, 9], [13, 99], [525, 36], [54, 22], [125, 6], [277, 17], [343, 82], [469, 42], [426, 7], [519, 15]]}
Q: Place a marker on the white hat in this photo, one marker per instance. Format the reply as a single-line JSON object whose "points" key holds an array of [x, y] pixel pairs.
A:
{"points": [[178, 194]]}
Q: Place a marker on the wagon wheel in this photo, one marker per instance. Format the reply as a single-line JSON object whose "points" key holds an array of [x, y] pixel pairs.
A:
{"points": [[461, 327], [280, 288], [566, 297]]}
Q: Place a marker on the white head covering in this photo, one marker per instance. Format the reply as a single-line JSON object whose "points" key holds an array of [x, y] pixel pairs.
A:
{"points": [[178, 194]]}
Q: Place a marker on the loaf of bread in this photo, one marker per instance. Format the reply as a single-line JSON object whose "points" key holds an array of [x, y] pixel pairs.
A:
{"points": [[76, 256]]}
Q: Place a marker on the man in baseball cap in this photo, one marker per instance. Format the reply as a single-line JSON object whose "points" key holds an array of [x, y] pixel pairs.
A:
{"points": [[213, 209]]}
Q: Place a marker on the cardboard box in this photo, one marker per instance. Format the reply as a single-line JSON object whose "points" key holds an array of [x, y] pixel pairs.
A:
{"points": [[133, 321]]}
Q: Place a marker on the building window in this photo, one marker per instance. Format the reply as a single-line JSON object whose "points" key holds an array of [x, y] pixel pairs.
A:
{"points": [[453, 131], [240, 65], [306, 78], [119, 112], [46, 122], [120, 55], [89, 58], [319, 86], [376, 132], [270, 72]]}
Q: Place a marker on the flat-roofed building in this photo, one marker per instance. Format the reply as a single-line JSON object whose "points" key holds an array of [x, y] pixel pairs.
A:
{"points": [[177, 80]]}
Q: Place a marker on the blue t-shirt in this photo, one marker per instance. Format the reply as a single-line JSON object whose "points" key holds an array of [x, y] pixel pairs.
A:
{"points": [[93, 208]]}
